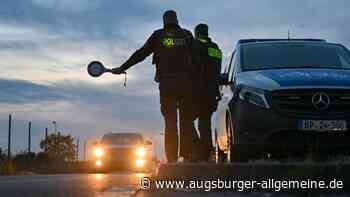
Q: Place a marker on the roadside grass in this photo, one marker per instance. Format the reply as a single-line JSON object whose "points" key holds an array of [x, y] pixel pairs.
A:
{"points": [[312, 165], [7, 168]]}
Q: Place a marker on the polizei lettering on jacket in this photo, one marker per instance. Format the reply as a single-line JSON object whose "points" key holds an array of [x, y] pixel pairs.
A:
{"points": [[173, 42]]}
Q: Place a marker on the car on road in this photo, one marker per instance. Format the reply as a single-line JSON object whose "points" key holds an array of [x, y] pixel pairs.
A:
{"points": [[124, 151], [283, 96]]}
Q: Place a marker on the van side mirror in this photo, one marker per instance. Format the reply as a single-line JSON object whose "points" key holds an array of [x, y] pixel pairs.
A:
{"points": [[224, 79], [148, 143]]}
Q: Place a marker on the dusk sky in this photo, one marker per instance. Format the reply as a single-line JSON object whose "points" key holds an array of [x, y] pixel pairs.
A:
{"points": [[46, 44]]}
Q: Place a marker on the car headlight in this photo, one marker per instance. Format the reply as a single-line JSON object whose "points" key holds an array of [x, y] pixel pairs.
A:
{"points": [[98, 152], [141, 152], [254, 96], [98, 163], [140, 163]]}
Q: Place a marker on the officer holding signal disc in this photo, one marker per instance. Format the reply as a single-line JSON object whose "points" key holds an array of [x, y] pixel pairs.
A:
{"points": [[172, 49]]}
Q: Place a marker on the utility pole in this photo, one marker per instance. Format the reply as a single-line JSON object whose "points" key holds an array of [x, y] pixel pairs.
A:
{"points": [[288, 34], [29, 135], [58, 143], [84, 150], [9, 139], [46, 139], [77, 153], [56, 137], [55, 126]]}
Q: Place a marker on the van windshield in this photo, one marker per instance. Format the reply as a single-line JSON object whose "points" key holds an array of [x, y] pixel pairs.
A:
{"points": [[294, 55]]}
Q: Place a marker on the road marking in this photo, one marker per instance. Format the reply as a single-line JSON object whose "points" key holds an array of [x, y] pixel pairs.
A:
{"points": [[117, 191]]}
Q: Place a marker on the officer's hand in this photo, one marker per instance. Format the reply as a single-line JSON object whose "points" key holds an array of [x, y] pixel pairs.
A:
{"points": [[117, 71]]}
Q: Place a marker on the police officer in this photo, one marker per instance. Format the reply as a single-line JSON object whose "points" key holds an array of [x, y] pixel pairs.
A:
{"points": [[208, 87], [172, 48]]}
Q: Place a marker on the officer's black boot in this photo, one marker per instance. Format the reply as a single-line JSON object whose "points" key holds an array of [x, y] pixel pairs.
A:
{"points": [[196, 146], [205, 132], [171, 146]]}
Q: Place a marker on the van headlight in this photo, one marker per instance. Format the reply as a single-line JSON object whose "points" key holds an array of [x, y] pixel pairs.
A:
{"points": [[254, 96], [141, 152]]}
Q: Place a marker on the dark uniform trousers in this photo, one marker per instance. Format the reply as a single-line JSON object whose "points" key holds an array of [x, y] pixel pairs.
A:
{"points": [[176, 102], [206, 106]]}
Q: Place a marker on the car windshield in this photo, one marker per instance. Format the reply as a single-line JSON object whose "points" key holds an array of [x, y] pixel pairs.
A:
{"points": [[122, 139], [294, 55]]}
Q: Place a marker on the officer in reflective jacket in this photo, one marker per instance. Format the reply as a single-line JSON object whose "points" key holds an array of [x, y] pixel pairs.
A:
{"points": [[172, 48], [210, 57]]}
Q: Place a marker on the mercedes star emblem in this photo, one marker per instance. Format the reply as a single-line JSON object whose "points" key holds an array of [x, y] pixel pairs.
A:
{"points": [[320, 101]]}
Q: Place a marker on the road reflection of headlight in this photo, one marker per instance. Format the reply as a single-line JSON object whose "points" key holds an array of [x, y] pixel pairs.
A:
{"points": [[98, 177], [98, 163], [141, 152], [98, 152], [140, 163]]}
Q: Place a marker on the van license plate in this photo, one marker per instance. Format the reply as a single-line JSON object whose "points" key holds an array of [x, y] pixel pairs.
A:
{"points": [[323, 125]]}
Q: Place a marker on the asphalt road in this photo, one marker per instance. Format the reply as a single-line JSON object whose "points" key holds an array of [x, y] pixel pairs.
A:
{"points": [[67, 185], [100, 185]]}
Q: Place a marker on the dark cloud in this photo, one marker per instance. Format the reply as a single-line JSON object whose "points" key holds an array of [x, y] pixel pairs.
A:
{"points": [[105, 20], [113, 100], [128, 104], [22, 92], [17, 45]]}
